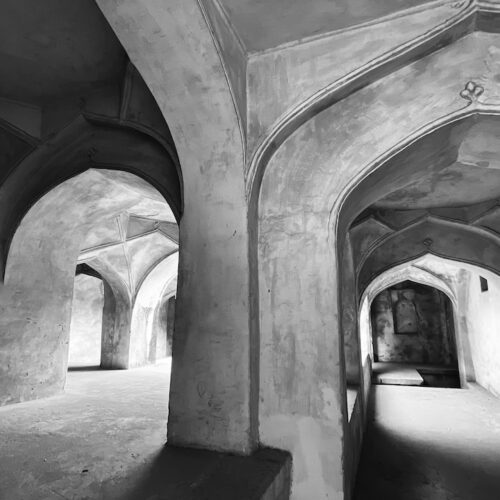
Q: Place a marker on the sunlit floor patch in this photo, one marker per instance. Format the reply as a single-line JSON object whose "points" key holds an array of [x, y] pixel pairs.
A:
{"points": [[431, 444]]}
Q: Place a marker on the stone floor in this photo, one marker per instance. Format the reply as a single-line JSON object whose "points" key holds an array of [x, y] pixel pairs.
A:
{"points": [[104, 439], [431, 444], [95, 441]]}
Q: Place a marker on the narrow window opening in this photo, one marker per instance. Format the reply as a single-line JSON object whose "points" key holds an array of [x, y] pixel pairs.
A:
{"points": [[484, 284]]}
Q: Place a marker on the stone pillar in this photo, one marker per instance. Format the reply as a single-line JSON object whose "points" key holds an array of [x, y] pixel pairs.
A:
{"points": [[349, 317], [211, 391], [170, 323], [302, 387]]}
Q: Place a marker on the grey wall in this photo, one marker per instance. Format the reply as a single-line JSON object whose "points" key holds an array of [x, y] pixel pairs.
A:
{"points": [[349, 318], [482, 316], [86, 322], [164, 326], [432, 342]]}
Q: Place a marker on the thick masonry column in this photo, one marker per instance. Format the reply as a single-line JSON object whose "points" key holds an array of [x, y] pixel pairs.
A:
{"points": [[172, 47]]}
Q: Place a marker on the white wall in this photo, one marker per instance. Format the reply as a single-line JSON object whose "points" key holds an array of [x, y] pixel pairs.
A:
{"points": [[86, 322], [482, 312]]}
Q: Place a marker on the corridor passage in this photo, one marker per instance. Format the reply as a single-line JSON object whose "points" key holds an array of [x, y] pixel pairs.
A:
{"points": [[95, 441], [430, 444]]}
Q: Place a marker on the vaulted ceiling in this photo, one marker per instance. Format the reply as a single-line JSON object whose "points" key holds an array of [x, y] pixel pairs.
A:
{"points": [[441, 196], [263, 24], [462, 171], [55, 48]]}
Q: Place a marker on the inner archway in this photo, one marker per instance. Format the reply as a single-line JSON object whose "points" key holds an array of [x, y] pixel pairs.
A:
{"points": [[413, 337], [110, 221], [152, 313], [86, 328], [431, 199]]}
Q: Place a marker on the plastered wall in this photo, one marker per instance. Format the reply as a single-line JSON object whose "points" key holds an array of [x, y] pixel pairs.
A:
{"points": [[482, 313], [85, 331]]}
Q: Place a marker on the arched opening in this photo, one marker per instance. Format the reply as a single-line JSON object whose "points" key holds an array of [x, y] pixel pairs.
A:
{"points": [[79, 263], [430, 200], [413, 337], [113, 228], [111, 122], [153, 313], [87, 319], [322, 211]]}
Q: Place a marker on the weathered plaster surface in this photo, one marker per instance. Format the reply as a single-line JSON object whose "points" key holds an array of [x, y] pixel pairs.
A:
{"points": [[432, 342], [302, 402]]}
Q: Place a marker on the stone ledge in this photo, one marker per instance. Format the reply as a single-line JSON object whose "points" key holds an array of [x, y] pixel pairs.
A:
{"points": [[190, 474]]}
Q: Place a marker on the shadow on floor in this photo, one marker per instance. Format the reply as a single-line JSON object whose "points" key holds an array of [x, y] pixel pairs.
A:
{"points": [[440, 459], [188, 474], [84, 368], [103, 439]]}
